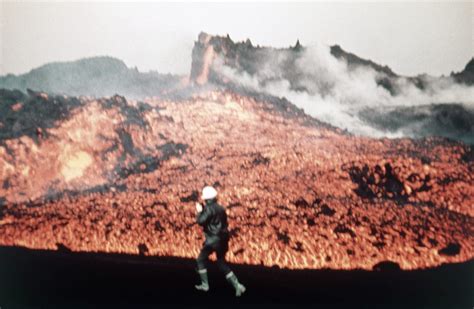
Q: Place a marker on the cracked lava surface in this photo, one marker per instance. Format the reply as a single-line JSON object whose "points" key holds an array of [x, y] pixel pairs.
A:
{"points": [[113, 175]]}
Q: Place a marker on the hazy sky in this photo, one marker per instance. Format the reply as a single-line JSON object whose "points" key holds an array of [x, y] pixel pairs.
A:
{"points": [[410, 37]]}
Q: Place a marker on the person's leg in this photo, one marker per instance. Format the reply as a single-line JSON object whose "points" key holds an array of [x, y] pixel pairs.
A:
{"points": [[203, 256], [202, 270], [221, 251]]}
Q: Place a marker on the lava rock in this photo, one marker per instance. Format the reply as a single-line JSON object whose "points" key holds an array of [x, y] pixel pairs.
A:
{"points": [[451, 249]]}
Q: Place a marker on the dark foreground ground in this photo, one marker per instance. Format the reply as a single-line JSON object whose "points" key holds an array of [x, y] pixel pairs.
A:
{"points": [[62, 279]]}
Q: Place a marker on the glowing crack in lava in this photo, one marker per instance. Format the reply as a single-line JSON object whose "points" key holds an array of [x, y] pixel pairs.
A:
{"points": [[299, 193]]}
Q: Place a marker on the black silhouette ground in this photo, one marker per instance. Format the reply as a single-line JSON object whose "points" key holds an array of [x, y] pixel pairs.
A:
{"points": [[63, 279]]}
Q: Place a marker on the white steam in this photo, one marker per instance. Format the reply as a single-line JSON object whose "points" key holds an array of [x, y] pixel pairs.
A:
{"points": [[330, 91]]}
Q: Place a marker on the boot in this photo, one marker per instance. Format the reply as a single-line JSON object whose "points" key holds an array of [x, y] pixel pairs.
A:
{"points": [[239, 288], [204, 286]]}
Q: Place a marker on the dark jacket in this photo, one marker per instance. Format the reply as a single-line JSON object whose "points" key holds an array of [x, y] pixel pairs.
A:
{"points": [[214, 221]]}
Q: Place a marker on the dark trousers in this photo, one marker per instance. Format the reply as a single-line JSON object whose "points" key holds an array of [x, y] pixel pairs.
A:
{"points": [[220, 247]]}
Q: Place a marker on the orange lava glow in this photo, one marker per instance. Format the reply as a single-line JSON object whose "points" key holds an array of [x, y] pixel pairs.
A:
{"points": [[123, 176], [208, 59]]}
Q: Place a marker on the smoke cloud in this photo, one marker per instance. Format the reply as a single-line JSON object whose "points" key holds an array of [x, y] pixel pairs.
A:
{"points": [[328, 89]]}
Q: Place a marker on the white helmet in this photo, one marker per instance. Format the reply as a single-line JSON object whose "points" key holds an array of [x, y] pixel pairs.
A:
{"points": [[208, 193]]}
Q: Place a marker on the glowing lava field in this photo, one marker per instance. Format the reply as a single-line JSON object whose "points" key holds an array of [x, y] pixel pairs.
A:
{"points": [[118, 175]]}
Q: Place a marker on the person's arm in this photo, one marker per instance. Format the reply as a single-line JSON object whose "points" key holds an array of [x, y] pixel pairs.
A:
{"points": [[203, 216]]}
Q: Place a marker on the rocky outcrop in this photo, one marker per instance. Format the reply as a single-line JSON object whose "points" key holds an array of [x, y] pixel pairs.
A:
{"points": [[211, 52], [355, 61], [466, 76]]}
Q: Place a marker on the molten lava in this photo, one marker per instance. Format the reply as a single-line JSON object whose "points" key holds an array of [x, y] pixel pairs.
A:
{"points": [[114, 175]]}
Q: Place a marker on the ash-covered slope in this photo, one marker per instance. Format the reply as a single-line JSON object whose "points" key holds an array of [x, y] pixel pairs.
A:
{"points": [[122, 176], [454, 121], [338, 87], [96, 76]]}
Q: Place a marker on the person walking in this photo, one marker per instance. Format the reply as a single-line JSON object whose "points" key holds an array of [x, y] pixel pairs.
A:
{"points": [[213, 218]]}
